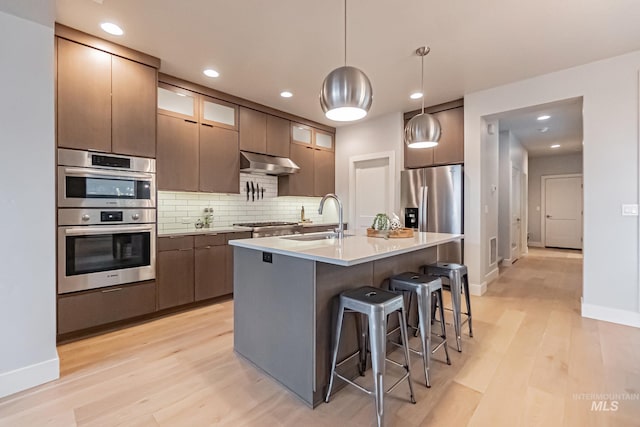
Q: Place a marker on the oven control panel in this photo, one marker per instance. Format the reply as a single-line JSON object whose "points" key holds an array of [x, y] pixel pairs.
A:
{"points": [[105, 216]]}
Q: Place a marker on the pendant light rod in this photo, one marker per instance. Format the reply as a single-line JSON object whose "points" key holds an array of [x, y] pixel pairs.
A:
{"points": [[422, 51], [345, 33]]}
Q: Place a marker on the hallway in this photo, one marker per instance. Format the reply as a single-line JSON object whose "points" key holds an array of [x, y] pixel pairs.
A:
{"points": [[531, 362]]}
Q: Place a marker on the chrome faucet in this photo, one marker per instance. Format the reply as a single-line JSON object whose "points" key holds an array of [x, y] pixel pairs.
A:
{"points": [[340, 229]]}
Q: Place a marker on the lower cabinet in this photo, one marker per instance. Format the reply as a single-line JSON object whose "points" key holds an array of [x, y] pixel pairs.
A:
{"points": [[210, 262], [175, 271], [82, 310]]}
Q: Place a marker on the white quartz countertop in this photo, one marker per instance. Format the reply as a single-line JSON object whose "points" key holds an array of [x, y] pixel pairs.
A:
{"points": [[351, 250]]}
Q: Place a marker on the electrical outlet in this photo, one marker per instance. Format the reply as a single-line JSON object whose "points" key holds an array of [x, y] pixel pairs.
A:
{"points": [[629, 210], [267, 257], [186, 220]]}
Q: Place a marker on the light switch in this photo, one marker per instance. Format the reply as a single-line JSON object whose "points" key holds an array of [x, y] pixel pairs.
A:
{"points": [[486, 209], [629, 210]]}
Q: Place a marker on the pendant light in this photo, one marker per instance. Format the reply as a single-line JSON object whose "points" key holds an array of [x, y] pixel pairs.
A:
{"points": [[346, 93], [423, 130]]}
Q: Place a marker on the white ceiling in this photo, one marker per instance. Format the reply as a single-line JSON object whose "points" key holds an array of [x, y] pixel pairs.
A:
{"points": [[564, 127], [263, 47]]}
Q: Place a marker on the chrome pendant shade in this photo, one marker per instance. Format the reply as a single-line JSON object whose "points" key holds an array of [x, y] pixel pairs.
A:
{"points": [[346, 94], [423, 130]]}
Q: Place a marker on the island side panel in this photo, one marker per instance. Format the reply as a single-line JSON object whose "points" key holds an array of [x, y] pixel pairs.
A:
{"points": [[274, 317]]}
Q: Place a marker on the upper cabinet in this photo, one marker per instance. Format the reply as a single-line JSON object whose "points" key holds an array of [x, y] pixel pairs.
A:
{"points": [[218, 113], [177, 102], [253, 130], [450, 148], [277, 136], [105, 97], [313, 151]]}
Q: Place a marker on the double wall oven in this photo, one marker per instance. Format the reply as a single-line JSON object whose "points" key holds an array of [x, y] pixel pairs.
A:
{"points": [[106, 220]]}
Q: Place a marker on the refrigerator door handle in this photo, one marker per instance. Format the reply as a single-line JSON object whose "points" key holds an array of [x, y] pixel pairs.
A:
{"points": [[424, 205]]}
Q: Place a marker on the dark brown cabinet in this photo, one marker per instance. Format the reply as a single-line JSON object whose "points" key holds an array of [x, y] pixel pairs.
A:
{"points": [[451, 146], [301, 183], [83, 97], [175, 271], [316, 176], [178, 154], [133, 87], [210, 267], [450, 149], [219, 159], [324, 171], [229, 250], [278, 136], [83, 310], [253, 130], [104, 102]]}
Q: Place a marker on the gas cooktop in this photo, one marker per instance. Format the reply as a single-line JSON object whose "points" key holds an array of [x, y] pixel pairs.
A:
{"points": [[265, 224]]}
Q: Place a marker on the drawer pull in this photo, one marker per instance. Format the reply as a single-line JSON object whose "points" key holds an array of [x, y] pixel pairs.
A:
{"points": [[111, 290], [185, 249]]}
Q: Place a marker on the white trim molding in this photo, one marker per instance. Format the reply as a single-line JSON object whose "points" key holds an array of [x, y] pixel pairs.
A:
{"points": [[29, 376], [613, 315], [390, 156], [478, 289]]}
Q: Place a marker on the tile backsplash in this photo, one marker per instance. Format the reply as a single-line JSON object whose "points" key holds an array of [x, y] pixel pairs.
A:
{"points": [[180, 210]]}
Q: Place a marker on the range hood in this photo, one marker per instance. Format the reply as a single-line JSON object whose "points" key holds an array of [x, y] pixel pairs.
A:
{"points": [[267, 165]]}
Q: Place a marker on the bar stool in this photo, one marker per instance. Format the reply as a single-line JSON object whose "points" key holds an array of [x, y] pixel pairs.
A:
{"points": [[424, 287], [376, 304], [458, 282]]}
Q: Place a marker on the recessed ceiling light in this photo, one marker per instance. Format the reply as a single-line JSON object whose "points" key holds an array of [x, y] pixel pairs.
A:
{"points": [[112, 28], [555, 146], [544, 129], [416, 95], [211, 73], [544, 117], [286, 94]]}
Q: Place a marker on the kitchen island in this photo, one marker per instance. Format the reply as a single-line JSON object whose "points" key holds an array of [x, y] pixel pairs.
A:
{"points": [[284, 293]]}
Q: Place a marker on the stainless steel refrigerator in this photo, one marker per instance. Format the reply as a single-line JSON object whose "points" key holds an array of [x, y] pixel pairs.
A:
{"points": [[431, 200]]}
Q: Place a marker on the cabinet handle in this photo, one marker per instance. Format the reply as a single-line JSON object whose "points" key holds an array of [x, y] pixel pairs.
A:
{"points": [[207, 125], [111, 290], [191, 121]]}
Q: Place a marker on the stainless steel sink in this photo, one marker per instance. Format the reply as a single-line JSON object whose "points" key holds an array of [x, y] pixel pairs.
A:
{"points": [[314, 236]]}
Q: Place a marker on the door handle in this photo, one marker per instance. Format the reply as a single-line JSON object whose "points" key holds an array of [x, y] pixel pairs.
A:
{"points": [[548, 216]]}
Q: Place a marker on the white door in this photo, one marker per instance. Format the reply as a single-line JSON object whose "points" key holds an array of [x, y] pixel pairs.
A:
{"points": [[516, 214], [371, 191], [563, 212]]}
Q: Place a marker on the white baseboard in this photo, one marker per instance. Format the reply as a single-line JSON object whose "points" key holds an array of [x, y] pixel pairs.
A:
{"points": [[492, 275], [535, 244], [506, 262], [478, 289], [29, 376], [613, 315]]}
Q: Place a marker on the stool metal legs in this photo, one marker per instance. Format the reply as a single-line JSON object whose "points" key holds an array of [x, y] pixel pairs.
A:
{"points": [[376, 317]]}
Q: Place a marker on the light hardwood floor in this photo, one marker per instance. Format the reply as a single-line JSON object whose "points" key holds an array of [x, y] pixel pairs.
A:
{"points": [[531, 355]]}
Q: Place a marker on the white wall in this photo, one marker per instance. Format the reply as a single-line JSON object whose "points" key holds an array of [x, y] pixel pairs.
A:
{"points": [[539, 167], [512, 154], [610, 112], [27, 258], [374, 136], [490, 146]]}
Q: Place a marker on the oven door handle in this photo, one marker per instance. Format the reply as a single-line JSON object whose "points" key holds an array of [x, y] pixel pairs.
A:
{"points": [[106, 230], [87, 173]]}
